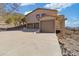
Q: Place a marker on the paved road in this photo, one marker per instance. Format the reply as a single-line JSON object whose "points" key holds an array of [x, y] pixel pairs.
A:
{"points": [[17, 43]]}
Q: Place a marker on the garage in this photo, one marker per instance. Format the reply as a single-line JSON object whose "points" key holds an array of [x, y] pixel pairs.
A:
{"points": [[47, 26]]}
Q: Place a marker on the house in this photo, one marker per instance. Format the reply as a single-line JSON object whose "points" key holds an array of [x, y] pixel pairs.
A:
{"points": [[46, 20]]}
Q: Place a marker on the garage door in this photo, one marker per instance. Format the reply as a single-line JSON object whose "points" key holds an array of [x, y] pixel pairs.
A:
{"points": [[47, 26]]}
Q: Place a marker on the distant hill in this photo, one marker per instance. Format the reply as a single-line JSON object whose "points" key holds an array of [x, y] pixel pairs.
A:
{"points": [[4, 17], [76, 28]]}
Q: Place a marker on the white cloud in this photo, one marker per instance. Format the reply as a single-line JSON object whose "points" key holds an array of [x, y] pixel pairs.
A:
{"points": [[74, 22], [27, 12], [58, 6], [26, 4]]}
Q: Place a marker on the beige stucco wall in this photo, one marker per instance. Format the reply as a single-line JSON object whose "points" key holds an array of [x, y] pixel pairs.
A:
{"points": [[58, 26], [60, 22], [31, 18], [47, 18]]}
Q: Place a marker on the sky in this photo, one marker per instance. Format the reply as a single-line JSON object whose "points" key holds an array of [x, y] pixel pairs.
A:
{"points": [[69, 10]]}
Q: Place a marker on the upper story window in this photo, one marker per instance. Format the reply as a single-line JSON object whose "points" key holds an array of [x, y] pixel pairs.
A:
{"points": [[43, 14], [40, 15]]}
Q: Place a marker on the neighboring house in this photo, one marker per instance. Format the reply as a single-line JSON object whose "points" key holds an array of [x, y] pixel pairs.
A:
{"points": [[46, 20]]}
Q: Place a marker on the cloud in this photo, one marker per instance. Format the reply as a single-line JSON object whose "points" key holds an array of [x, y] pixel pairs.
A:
{"points": [[74, 22], [26, 4], [58, 6], [27, 12]]}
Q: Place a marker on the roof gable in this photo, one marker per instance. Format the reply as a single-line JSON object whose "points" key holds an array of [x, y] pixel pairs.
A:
{"points": [[42, 9]]}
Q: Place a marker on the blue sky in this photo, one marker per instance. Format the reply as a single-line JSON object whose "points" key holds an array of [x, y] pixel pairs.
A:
{"points": [[69, 10]]}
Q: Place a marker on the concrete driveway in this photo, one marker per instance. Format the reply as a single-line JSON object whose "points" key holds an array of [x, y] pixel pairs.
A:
{"points": [[17, 43]]}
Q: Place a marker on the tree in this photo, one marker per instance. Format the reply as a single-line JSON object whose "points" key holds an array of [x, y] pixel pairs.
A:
{"points": [[8, 21], [23, 20], [16, 19]]}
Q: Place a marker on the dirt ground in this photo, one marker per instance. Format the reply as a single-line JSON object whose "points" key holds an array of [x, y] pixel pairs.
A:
{"points": [[18, 43], [70, 43]]}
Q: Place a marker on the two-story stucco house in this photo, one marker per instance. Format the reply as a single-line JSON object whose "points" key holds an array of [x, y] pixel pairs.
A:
{"points": [[46, 20]]}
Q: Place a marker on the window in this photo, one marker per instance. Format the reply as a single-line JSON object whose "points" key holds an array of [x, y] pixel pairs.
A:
{"points": [[38, 16], [43, 14]]}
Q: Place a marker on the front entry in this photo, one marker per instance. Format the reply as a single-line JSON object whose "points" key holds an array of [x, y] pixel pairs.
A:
{"points": [[47, 26]]}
